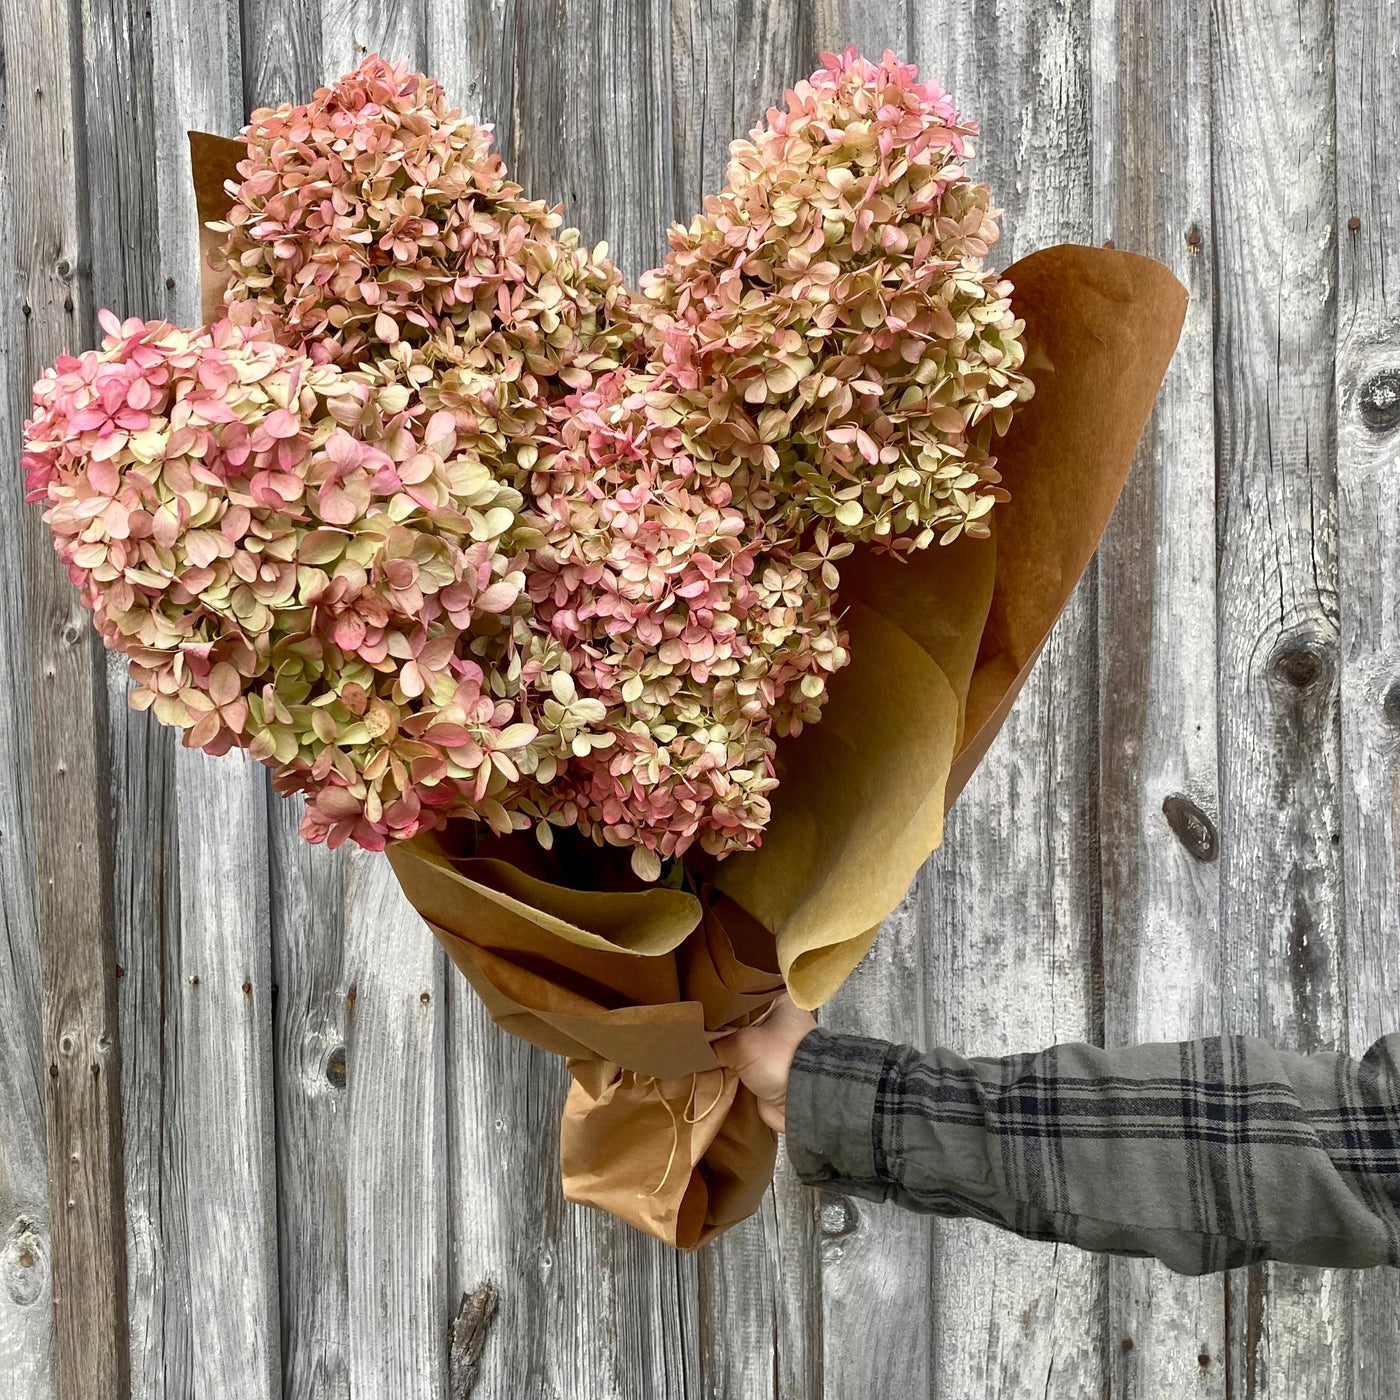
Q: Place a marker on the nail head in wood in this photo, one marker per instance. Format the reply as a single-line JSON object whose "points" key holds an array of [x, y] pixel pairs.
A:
{"points": [[839, 1217]]}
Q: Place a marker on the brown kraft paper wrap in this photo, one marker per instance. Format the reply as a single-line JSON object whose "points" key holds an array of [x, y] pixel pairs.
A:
{"points": [[633, 985]]}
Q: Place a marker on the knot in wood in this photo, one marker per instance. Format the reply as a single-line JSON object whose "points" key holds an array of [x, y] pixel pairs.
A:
{"points": [[839, 1216], [1390, 706], [467, 1339], [21, 1252], [1379, 401], [1193, 828], [1297, 663], [335, 1067]]}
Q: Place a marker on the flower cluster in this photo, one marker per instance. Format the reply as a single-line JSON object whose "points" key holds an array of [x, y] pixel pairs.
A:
{"points": [[828, 318], [437, 521], [375, 226], [294, 565], [693, 632]]}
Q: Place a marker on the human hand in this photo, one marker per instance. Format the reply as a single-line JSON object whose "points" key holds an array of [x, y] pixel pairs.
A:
{"points": [[762, 1055]]}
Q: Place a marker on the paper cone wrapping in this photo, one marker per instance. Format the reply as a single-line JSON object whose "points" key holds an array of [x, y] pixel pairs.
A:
{"points": [[634, 984]]}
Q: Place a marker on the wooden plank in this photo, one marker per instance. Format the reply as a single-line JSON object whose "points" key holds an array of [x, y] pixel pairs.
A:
{"points": [[350, 29], [147, 904], [880, 1306], [73, 856], [588, 1306], [312, 1015], [1157, 703], [26, 1294], [503, 1095], [122, 201], [1280, 877], [313, 1005], [220, 1154], [470, 47], [396, 1186], [759, 1285], [213, 1287], [999, 935], [1368, 488], [387, 1006], [281, 52]]}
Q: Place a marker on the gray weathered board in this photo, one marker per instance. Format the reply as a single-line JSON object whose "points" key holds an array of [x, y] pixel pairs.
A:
{"points": [[325, 1143]]}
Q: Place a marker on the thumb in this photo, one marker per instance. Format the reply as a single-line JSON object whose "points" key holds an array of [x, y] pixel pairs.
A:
{"points": [[729, 1050]]}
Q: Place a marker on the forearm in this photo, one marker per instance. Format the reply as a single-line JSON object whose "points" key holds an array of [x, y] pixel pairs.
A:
{"points": [[1206, 1154]]}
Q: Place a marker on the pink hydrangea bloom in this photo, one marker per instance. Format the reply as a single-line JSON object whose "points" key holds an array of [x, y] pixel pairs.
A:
{"points": [[694, 634], [295, 565], [829, 318]]}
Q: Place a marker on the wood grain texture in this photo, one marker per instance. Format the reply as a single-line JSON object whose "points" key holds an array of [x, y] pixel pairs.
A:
{"points": [[312, 1014], [1280, 873], [1368, 535], [220, 1149], [67, 711], [399, 1308], [26, 1295], [1157, 702]]}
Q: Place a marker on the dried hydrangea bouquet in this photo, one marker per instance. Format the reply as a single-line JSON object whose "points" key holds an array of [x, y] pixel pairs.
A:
{"points": [[650, 631]]}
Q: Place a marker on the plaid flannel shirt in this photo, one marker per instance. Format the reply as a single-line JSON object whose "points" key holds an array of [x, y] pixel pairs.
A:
{"points": [[1206, 1154]]}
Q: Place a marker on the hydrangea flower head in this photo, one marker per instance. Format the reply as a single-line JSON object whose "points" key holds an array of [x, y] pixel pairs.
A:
{"points": [[830, 319], [295, 564]]}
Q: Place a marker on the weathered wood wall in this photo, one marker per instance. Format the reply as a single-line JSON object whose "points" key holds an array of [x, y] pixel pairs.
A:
{"points": [[1190, 823]]}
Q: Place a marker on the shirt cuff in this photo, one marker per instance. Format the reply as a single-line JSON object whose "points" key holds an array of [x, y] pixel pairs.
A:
{"points": [[832, 1091]]}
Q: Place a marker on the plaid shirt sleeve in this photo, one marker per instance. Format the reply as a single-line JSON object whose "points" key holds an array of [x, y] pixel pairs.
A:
{"points": [[1206, 1154]]}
